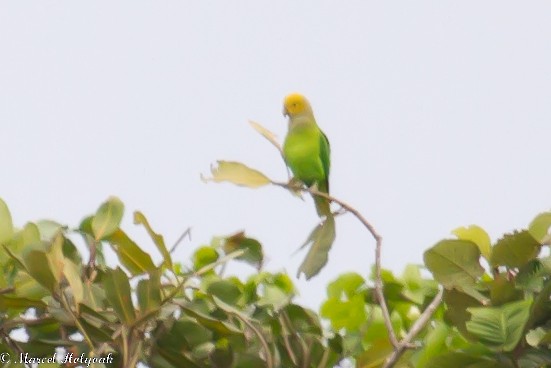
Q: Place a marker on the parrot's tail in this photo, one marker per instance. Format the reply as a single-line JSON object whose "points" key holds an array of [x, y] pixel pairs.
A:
{"points": [[322, 206]]}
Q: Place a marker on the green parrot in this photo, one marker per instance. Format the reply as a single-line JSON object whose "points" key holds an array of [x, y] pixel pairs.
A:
{"points": [[306, 149]]}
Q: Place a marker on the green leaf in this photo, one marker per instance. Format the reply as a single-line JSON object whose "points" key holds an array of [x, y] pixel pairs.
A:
{"points": [[211, 323], [12, 302], [416, 289], [375, 355], [94, 295], [26, 286], [100, 333], [283, 282], [434, 344], [132, 257], [48, 229], [346, 286], [72, 274], [238, 174], [20, 240], [349, 314], [169, 358], [204, 256], [454, 263], [274, 297], [107, 218], [376, 327], [253, 249], [98, 319], [539, 227], [6, 224], [140, 219], [56, 259], [85, 226], [249, 361], [117, 291], [503, 290], [535, 358], [477, 235], [149, 292], [461, 360], [541, 308], [38, 266], [456, 310], [71, 252], [530, 277], [321, 239], [515, 250], [185, 334], [500, 328], [225, 290]]}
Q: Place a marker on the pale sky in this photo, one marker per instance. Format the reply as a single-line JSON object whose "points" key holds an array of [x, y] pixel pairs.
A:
{"points": [[438, 114]]}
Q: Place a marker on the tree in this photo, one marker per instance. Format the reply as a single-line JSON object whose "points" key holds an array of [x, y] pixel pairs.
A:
{"points": [[489, 305]]}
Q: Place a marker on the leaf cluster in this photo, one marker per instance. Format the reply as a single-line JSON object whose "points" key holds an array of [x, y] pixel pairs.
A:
{"points": [[160, 314]]}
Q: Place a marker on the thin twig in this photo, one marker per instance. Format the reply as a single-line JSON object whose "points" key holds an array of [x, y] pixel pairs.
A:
{"points": [[12, 344], [65, 303], [263, 342], [405, 343], [378, 245], [17, 322], [92, 260], [185, 233], [180, 285], [302, 343], [420, 323], [125, 344], [324, 358], [286, 340], [7, 290], [415, 329]]}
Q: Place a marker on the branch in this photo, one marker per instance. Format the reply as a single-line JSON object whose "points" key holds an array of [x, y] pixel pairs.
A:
{"points": [[7, 290], [286, 342], [405, 343], [263, 342], [185, 233], [65, 303], [378, 245], [178, 287], [415, 329], [4, 335]]}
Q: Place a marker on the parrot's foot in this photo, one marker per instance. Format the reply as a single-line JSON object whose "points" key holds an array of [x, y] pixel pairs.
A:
{"points": [[296, 186], [295, 183]]}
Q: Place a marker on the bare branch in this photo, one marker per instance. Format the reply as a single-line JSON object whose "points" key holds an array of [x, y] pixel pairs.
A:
{"points": [[4, 335], [261, 338], [378, 245], [399, 346], [415, 329], [7, 290], [184, 234]]}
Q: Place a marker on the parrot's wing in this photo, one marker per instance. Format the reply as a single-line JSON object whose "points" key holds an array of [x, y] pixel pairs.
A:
{"points": [[325, 153]]}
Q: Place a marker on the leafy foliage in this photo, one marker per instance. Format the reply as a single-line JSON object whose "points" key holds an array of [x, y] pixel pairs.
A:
{"points": [[162, 315], [496, 309], [190, 315]]}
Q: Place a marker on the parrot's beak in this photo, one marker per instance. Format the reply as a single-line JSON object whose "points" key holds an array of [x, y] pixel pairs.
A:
{"points": [[285, 112]]}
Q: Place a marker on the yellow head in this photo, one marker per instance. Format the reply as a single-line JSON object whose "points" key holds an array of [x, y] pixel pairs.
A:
{"points": [[296, 104]]}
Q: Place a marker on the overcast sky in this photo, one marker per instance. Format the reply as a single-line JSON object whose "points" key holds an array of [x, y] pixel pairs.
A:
{"points": [[438, 114]]}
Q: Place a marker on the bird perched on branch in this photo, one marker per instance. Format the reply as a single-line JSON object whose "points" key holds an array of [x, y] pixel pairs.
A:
{"points": [[306, 149]]}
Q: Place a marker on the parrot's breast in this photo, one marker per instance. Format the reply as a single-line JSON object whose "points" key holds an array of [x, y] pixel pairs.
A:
{"points": [[302, 153]]}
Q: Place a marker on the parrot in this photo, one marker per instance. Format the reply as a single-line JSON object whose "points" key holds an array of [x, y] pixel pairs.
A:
{"points": [[306, 149]]}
